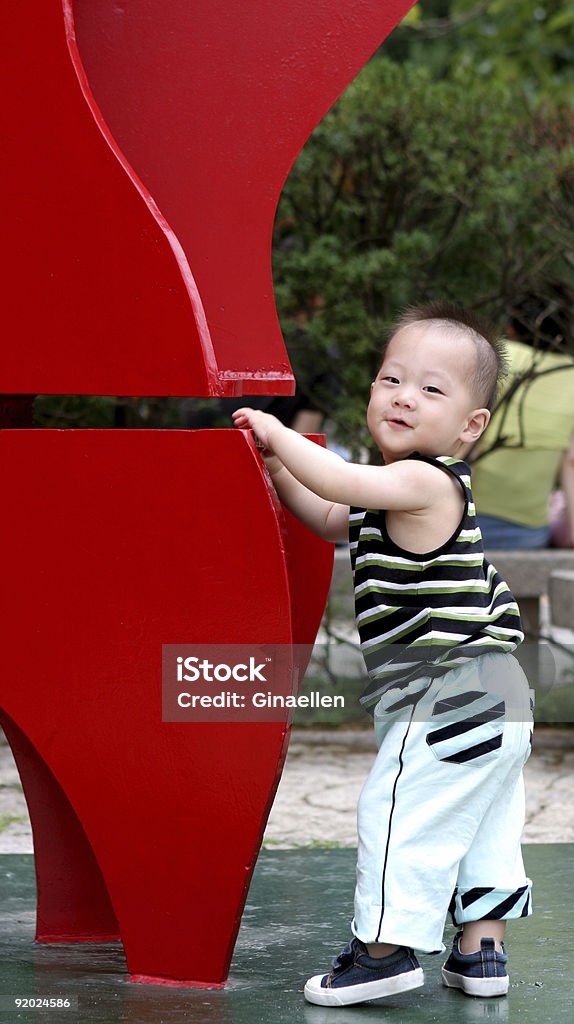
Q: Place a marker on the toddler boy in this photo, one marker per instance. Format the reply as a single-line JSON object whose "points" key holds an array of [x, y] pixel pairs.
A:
{"points": [[441, 814]]}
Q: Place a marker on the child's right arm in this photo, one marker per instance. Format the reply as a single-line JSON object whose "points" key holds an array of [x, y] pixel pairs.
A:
{"points": [[327, 519]]}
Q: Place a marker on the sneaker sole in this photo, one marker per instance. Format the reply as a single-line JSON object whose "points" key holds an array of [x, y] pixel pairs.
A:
{"points": [[484, 987], [346, 995]]}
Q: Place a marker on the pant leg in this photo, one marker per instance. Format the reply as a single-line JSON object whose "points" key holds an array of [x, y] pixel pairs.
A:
{"points": [[437, 775], [491, 880]]}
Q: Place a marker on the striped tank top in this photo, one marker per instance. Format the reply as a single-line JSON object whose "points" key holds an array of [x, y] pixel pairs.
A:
{"points": [[423, 614]]}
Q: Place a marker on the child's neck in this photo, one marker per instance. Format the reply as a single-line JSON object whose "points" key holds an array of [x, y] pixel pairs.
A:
{"points": [[401, 458]]}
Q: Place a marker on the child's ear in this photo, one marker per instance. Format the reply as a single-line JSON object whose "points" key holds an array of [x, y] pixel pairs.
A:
{"points": [[476, 424]]}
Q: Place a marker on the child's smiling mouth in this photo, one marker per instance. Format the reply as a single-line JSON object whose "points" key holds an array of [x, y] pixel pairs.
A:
{"points": [[398, 423]]}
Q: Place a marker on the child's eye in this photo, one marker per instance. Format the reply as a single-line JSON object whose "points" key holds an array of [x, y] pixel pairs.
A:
{"points": [[432, 389], [392, 380]]}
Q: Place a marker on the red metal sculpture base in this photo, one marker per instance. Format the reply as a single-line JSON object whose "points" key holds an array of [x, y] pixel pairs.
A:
{"points": [[117, 542]]}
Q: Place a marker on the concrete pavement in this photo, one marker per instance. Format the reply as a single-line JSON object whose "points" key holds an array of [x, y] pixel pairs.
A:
{"points": [[317, 795], [325, 769]]}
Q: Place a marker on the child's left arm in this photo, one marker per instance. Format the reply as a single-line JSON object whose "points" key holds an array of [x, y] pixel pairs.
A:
{"points": [[404, 485]]}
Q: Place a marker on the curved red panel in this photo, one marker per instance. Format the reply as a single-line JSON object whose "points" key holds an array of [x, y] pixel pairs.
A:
{"points": [[97, 294], [72, 900], [135, 539], [211, 103], [115, 543]]}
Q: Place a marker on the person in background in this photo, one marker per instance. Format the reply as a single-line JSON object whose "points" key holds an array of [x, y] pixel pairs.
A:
{"points": [[514, 481]]}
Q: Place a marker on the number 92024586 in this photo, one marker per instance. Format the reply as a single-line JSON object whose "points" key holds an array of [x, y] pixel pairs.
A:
{"points": [[38, 1002]]}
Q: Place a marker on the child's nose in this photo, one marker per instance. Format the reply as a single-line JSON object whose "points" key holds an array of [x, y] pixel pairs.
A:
{"points": [[404, 397]]}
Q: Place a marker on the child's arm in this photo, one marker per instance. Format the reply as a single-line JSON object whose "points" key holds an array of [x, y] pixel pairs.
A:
{"points": [[328, 519], [404, 485]]}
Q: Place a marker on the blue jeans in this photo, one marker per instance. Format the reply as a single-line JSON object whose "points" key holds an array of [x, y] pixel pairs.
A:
{"points": [[499, 533]]}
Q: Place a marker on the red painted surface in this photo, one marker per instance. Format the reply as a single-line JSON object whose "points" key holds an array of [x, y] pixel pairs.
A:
{"points": [[119, 542], [138, 228], [73, 902], [207, 104], [97, 295]]}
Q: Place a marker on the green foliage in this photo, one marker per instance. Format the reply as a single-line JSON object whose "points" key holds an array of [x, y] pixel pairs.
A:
{"points": [[527, 42], [412, 189], [107, 411]]}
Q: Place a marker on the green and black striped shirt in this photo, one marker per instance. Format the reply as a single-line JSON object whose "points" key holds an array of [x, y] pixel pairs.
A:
{"points": [[423, 614]]}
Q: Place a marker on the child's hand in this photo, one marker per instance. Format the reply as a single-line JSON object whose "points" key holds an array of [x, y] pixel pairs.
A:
{"points": [[261, 423]]}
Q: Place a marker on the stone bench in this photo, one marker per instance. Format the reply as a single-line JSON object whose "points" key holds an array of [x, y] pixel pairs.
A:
{"points": [[561, 593], [530, 575]]}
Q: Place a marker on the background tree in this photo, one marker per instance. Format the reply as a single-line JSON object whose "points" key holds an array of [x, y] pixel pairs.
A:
{"points": [[529, 43], [411, 189]]}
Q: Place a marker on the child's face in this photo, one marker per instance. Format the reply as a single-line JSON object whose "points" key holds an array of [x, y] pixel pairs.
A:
{"points": [[422, 398]]}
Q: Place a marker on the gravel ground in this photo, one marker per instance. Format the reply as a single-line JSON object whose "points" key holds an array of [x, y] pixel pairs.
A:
{"points": [[324, 771], [317, 795]]}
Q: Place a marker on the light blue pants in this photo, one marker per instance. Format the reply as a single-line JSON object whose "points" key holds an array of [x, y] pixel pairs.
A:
{"points": [[441, 813]]}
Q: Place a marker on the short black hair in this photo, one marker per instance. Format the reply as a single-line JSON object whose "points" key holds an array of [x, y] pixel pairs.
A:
{"points": [[491, 363]]}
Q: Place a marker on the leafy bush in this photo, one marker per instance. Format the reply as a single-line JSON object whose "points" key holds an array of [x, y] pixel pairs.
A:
{"points": [[412, 189]]}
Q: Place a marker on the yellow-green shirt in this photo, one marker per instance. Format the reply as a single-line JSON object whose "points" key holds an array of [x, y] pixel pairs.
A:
{"points": [[515, 483]]}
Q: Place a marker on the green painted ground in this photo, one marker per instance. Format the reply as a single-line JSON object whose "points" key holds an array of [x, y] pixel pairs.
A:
{"points": [[296, 919]]}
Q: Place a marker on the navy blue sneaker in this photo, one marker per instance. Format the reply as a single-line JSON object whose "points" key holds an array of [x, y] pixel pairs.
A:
{"points": [[477, 974], [355, 976]]}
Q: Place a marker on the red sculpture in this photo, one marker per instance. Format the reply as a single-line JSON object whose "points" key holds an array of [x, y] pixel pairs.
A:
{"points": [[116, 542]]}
